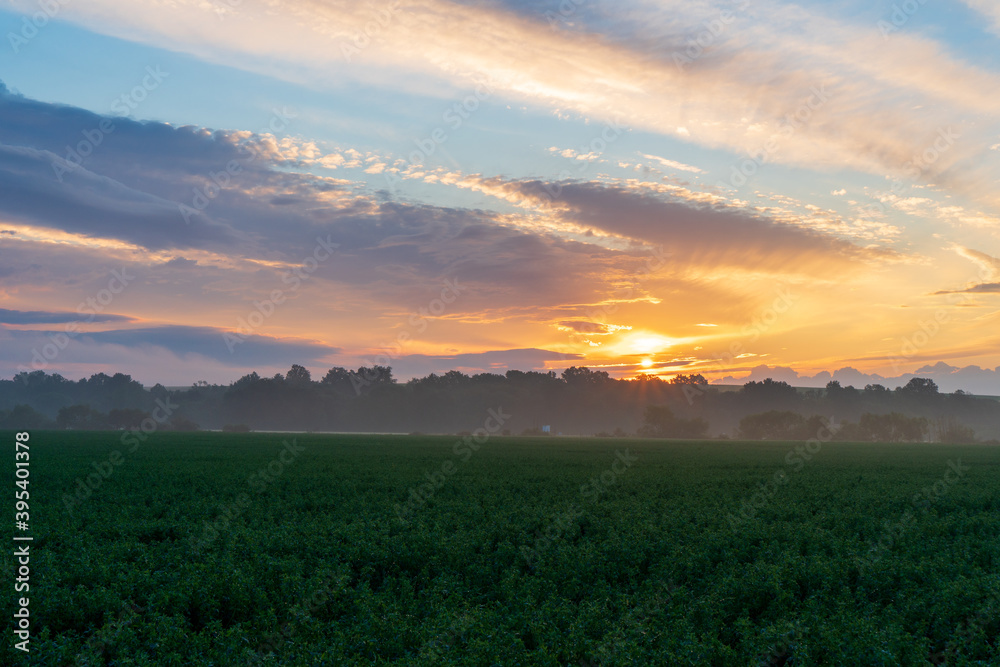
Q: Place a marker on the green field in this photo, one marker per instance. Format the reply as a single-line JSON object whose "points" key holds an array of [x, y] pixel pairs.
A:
{"points": [[531, 551]]}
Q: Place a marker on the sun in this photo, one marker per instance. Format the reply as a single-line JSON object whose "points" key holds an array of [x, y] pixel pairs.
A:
{"points": [[646, 363]]}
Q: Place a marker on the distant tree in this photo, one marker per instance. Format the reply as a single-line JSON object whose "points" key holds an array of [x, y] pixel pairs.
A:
{"points": [[697, 379], [769, 390], [336, 375], [24, 417], [920, 387], [298, 375], [535, 378], [659, 421], [236, 428], [247, 380], [455, 378], [773, 425], [841, 397], [949, 430], [489, 378], [80, 417], [376, 376], [583, 376], [876, 390], [892, 427]]}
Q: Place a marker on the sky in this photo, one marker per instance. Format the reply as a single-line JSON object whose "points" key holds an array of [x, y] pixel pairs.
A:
{"points": [[196, 189]]}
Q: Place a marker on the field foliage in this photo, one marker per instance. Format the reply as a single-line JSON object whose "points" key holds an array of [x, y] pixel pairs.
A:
{"points": [[525, 551]]}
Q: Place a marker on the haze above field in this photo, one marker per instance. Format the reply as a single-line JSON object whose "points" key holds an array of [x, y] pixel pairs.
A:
{"points": [[195, 190]]}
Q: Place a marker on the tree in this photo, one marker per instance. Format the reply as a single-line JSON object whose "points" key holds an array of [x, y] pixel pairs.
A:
{"points": [[337, 375], [365, 379], [81, 417], [951, 431], [659, 422], [773, 425], [584, 377], [24, 417], [920, 387], [769, 390], [892, 427], [697, 379], [298, 376]]}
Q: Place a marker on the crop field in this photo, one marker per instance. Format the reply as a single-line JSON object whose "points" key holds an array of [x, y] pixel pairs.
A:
{"points": [[306, 549]]}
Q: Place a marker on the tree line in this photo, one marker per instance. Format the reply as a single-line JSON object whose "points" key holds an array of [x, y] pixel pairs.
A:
{"points": [[579, 401]]}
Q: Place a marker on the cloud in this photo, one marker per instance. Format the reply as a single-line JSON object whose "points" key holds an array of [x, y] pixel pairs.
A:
{"points": [[702, 236], [128, 192], [783, 70], [496, 361], [591, 328], [43, 317], [671, 164], [94, 205], [989, 271], [124, 349], [981, 288], [990, 10]]}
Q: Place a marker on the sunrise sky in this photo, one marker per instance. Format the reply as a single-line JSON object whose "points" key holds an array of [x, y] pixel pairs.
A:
{"points": [[663, 187]]}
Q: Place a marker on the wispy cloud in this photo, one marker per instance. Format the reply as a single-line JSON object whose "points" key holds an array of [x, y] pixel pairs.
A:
{"points": [[672, 164], [768, 65]]}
